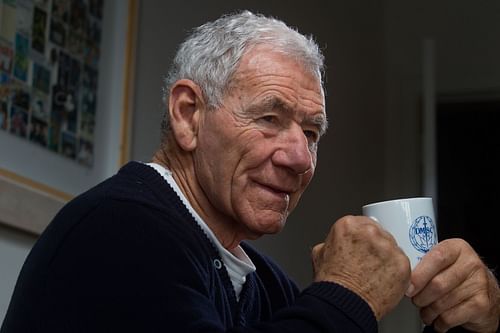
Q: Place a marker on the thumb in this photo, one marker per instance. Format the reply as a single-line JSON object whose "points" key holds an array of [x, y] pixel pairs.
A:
{"points": [[316, 256]]}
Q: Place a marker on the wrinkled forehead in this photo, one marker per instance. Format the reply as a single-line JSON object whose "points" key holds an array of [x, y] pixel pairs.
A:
{"points": [[276, 81], [258, 56]]}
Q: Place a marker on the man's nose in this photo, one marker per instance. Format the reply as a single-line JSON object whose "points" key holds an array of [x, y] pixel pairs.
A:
{"points": [[294, 152]]}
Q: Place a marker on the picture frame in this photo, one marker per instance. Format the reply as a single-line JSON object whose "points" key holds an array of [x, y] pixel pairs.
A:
{"points": [[35, 182]]}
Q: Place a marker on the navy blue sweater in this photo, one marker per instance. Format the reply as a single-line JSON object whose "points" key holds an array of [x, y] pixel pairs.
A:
{"points": [[126, 256]]}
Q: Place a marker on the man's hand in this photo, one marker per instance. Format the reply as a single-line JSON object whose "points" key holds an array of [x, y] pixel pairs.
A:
{"points": [[359, 255], [452, 287]]}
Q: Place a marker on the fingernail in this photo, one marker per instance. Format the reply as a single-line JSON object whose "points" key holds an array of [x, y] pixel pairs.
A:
{"points": [[410, 290]]}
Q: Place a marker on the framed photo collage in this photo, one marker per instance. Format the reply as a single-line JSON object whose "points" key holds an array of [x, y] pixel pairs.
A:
{"points": [[49, 57]]}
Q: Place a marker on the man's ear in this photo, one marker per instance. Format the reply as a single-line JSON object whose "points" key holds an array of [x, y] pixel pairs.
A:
{"points": [[185, 104]]}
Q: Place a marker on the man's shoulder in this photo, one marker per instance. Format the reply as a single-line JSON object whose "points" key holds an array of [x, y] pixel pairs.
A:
{"points": [[135, 188], [134, 208]]}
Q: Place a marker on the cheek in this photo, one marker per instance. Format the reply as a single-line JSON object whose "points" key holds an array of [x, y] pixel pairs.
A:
{"points": [[253, 153], [216, 152], [223, 168]]}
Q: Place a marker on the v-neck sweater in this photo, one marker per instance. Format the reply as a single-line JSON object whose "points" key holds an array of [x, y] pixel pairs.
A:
{"points": [[237, 262], [127, 256]]}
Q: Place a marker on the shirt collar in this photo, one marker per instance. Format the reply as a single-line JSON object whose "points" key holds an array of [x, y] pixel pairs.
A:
{"points": [[237, 261]]}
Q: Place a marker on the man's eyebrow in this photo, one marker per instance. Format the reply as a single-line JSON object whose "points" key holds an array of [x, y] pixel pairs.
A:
{"points": [[269, 104], [318, 120]]}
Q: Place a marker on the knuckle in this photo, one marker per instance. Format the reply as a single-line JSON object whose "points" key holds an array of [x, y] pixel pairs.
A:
{"points": [[438, 285], [390, 249], [356, 225], [349, 221], [344, 223], [445, 321], [317, 250], [439, 256], [460, 245], [439, 305], [371, 231], [384, 250], [481, 303], [435, 307], [477, 265], [427, 315], [346, 219]]}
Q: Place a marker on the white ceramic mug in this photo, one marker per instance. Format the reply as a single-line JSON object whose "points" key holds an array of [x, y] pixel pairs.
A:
{"points": [[411, 221]]}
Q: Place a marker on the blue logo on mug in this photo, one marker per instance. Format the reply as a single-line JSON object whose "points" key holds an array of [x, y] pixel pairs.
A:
{"points": [[423, 234]]}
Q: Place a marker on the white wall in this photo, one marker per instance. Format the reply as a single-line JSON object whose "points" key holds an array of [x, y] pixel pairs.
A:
{"points": [[17, 155], [14, 247]]}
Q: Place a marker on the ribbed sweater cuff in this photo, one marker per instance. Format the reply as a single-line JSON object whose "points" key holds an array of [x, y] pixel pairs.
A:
{"points": [[346, 301]]}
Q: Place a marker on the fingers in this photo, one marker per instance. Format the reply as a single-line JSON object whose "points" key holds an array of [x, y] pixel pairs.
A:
{"points": [[453, 287], [316, 251], [440, 286], [431, 311], [316, 255], [453, 317], [463, 314], [437, 260]]}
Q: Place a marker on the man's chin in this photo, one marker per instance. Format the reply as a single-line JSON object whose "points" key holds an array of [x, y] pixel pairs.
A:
{"points": [[267, 226]]}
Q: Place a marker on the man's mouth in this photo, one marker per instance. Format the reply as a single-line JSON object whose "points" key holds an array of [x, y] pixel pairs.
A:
{"points": [[277, 190]]}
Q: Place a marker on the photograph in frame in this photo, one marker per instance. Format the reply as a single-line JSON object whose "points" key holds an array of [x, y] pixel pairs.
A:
{"points": [[54, 104]]}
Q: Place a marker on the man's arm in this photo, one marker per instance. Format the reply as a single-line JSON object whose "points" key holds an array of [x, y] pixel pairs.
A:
{"points": [[125, 268]]}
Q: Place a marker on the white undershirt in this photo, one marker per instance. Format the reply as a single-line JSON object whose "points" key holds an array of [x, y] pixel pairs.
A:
{"points": [[237, 262]]}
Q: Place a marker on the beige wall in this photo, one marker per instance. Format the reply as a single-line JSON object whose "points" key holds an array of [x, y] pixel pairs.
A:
{"points": [[465, 36]]}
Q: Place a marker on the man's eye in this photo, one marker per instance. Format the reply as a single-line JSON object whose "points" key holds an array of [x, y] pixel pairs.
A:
{"points": [[311, 135], [269, 119]]}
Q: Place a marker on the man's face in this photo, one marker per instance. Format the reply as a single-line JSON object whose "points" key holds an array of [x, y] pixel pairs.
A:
{"points": [[257, 153]]}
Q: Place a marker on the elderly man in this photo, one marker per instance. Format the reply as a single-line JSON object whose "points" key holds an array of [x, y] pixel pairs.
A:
{"points": [[159, 246]]}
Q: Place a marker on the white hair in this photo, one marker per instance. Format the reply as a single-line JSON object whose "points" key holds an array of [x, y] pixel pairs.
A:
{"points": [[210, 55]]}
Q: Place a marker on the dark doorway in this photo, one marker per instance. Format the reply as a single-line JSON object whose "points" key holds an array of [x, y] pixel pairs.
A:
{"points": [[468, 169]]}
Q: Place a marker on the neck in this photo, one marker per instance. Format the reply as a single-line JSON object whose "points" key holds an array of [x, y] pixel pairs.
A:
{"points": [[182, 167]]}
